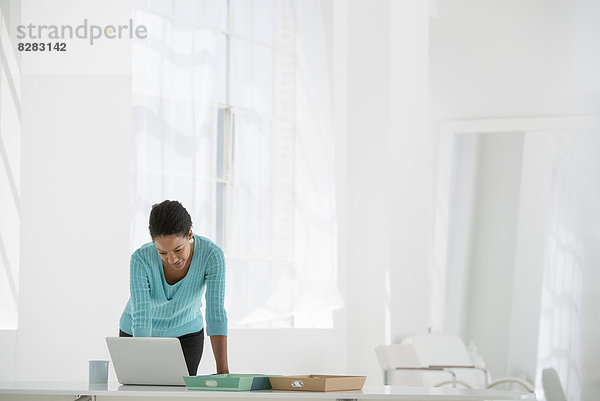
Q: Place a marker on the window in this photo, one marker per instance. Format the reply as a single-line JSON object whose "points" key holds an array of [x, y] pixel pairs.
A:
{"points": [[224, 121], [255, 147]]}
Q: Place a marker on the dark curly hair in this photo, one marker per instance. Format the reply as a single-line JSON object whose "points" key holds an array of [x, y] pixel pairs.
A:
{"points": [[168, 218]]}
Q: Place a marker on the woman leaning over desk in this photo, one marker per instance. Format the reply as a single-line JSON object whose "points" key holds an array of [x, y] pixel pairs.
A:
{"points": [[167, 279]]}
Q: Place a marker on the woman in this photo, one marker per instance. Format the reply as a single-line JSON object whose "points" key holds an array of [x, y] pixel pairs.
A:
{"points": [[167, 279]]}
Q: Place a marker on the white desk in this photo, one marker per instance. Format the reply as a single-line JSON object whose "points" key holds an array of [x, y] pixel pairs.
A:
{"points": [[59, 391]]}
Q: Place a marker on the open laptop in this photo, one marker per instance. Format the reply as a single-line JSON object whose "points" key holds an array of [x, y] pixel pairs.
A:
{"points": [[148, 360]]}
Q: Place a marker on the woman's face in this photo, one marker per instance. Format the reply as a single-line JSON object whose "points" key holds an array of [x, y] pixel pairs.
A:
{"points": [[174, 250]]}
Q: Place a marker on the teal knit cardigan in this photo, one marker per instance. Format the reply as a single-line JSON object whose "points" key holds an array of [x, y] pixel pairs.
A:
{"points": [[158, 309]]}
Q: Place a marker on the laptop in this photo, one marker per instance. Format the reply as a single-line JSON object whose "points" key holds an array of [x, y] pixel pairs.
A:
{"points": [[148, 360]]}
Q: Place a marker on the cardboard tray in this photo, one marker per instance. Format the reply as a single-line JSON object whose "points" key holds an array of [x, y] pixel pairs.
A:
{"points": [[228, 382], [317, 383]]}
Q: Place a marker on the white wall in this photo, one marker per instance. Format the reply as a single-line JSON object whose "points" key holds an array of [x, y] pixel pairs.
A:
{"points": [[461, 202], [368, 139], [497, 190], [8, 345], [496, 58], [494, 198], [389, 181], [75, 191], [499, 58], [411, 171], [75, 213], [529, 253]]}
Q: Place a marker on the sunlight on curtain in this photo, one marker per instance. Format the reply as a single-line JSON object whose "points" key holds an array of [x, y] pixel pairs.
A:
{"points": [[568, 332], [10, 170], [173, 90], [260, 68]]}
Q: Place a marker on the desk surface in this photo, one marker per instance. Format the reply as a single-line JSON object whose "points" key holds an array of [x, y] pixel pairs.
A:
{"points": [[368, 393]]}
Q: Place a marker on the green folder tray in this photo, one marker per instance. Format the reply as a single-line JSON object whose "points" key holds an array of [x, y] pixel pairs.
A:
{"points": [[228, 382]]}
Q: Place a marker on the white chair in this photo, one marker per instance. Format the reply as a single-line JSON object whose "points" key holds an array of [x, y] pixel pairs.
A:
{"points": [[430, 360], [434, 360], [552, 387]]}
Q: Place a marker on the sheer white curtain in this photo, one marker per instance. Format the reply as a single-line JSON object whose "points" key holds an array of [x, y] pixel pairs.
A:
{"points": [[10, 173], [260, 68], [569, 330], [174, 94]]}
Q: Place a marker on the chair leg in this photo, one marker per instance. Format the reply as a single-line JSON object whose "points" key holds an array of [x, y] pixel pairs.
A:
{"points": [[453, 376]]}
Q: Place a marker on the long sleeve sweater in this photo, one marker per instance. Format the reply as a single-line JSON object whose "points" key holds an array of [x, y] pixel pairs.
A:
{"points": [[158, 309]]}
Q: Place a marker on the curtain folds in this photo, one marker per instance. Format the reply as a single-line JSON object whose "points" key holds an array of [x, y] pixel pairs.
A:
{"points": [[272, 208]]}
